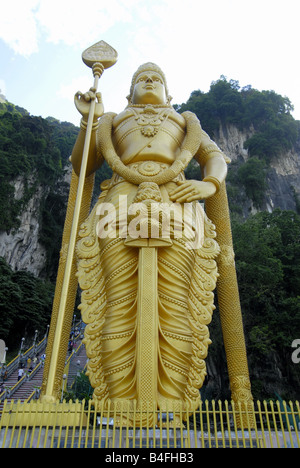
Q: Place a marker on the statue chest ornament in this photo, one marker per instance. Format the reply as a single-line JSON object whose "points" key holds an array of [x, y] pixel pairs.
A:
{"points": [[150, 120]]}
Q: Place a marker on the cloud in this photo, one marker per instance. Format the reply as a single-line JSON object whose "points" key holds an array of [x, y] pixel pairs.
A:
{"points": [[193, 41], [18, 26], [79, 83], [157, 26], [64, 22], [24, 23]]}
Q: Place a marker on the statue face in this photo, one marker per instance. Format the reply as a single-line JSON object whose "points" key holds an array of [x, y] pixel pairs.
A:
{"points": [[149, 88]]}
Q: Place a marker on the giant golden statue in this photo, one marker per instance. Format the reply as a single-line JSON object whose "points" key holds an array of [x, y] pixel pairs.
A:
{"points": [[148, 341], [147, 291]]}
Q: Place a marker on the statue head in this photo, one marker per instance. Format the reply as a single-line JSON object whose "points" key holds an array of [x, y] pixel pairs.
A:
{"points": [[149, 86]]}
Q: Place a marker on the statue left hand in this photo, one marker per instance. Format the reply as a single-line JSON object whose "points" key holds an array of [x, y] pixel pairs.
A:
{"points": [[190, 190], [83, 103]]}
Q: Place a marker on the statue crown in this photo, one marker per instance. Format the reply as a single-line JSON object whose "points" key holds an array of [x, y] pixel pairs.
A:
{"points": [[149, 66]]}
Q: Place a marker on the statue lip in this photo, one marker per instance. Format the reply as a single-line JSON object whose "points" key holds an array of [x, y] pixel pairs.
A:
{"points": [[149, 86]]}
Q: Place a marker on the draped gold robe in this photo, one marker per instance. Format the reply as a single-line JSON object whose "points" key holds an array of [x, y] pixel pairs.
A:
{"points": [[108, 276]]}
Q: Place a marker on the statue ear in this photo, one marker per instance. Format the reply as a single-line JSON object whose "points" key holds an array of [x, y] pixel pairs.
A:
{"points": [[169, 99]]}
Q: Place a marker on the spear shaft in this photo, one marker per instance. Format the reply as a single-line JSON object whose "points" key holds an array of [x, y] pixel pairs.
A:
{"points": [[98, 57], [72, 242]]}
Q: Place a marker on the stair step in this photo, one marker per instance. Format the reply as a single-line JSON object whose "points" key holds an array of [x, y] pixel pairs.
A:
{"points": [[28, 386]]}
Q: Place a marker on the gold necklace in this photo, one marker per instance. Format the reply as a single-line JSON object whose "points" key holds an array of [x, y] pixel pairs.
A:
{"points": [[150, 120], [155, 106]]}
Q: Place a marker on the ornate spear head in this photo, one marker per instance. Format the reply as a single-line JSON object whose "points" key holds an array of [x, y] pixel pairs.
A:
{"points": [[100, 53]]}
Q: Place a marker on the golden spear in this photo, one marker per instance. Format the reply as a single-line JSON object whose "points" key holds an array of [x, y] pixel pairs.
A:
{"points": [[98, 57]]}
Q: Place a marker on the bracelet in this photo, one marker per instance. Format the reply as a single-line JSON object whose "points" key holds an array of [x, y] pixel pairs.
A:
{"points": [[83, 125], [214, 181]]}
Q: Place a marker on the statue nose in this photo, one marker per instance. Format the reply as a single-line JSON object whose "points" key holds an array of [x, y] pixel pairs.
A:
{"points": [[149, 80]]}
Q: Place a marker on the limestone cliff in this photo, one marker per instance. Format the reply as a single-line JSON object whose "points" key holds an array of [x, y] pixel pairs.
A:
{"points": [[282, 173], [20, 247]]}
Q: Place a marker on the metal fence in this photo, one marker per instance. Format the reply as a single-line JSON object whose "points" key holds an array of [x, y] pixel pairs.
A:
{"points": [[213, 425]]}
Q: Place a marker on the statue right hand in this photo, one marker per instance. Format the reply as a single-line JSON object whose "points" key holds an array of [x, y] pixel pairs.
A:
{"points": [[83, 103]]}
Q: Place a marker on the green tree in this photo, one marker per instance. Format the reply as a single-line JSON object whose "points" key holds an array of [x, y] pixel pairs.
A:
{"points": [[268, 113], [25, 303], [267, 252], [252, 175]]}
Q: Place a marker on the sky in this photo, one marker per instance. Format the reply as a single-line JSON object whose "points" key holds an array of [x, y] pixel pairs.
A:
{"points": [[255, 42]]}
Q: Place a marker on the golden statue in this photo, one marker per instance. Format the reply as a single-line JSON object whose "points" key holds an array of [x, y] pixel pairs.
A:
{"points": [[147, 342], [147, 291]]}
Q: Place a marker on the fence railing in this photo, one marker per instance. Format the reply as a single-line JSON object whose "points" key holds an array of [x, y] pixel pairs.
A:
{"points": [[213, 425]]}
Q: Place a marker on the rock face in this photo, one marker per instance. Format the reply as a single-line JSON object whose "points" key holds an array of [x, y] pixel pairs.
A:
{"points": [[21, 247], [283, 174], [284, 181], [231, 141]]}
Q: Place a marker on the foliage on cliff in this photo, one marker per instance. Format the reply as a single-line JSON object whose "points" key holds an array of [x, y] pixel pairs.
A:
{"points": [[264, 115], [25, 303], [268, 113], [267, 249], [33, 148]]}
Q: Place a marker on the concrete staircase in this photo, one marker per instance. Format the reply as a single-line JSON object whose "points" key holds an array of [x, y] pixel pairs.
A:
{"points": [[77, 364], [27, 385]]}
